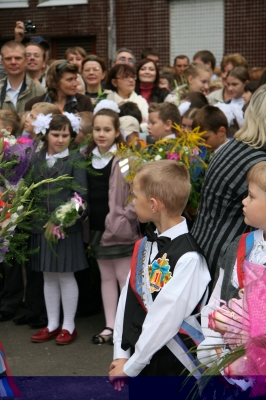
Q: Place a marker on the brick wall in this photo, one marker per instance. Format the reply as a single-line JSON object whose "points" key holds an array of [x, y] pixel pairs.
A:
{"points": [[57, 22], [142, 24], [245, 30]]}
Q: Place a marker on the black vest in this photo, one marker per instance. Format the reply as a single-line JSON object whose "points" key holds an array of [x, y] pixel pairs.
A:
{"points": [[134, 313]]}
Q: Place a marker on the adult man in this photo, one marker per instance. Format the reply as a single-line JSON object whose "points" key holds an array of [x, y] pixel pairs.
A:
{"points": [[152, 54], [207, 58], [124, 56], [35, 64], [181, 63], [17, 88]]}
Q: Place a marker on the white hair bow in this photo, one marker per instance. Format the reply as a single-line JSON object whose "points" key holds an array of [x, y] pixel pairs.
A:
{"points": [[42, 123], [183, 107], [110, 104], [74, 120]]}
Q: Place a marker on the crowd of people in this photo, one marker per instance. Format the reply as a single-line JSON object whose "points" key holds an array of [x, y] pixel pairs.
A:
{"points": [[159, 260]]}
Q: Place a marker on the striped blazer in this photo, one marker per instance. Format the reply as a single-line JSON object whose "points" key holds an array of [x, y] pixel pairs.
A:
{"points": [[220, 218]]}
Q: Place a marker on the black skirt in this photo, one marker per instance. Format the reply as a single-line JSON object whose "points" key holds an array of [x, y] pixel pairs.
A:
{"points": [[108, 252], [68, 255]]}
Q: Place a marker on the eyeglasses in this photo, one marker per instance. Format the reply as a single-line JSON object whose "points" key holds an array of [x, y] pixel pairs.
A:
{"points": [[124, 60], [35, 55], [127, 77]]}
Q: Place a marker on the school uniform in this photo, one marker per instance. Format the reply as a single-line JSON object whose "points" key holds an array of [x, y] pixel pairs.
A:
{"points": [[157, 317]]}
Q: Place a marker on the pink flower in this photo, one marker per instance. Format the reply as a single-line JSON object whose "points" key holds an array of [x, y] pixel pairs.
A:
{"points": [[236, 368], [219, 320], [173, 156], [23, 140], [195, 152]]}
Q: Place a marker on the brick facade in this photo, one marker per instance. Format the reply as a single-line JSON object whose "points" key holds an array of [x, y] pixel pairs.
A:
{"points": [[142, 24], [245, 30], [85, 21], [139, 23]]}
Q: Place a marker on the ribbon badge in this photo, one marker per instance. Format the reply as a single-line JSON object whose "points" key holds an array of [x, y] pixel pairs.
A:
{"points": [[159, 273]]}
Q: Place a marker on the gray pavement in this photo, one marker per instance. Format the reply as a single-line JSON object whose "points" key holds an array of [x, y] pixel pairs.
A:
{"points": [[82, 358]]}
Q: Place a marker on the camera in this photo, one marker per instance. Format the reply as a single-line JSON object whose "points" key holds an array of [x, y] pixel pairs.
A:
{"points": [[29, 27]]}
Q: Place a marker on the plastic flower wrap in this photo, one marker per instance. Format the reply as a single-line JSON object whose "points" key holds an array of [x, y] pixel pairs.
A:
{"points": [[18, 153], [64, 216], [240, 347]]}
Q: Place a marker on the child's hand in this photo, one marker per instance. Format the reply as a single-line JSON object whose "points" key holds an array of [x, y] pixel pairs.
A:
{"points": [[117, 376]]}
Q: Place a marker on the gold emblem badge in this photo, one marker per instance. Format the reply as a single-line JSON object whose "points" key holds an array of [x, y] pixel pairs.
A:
{"points": [[159, 273]]}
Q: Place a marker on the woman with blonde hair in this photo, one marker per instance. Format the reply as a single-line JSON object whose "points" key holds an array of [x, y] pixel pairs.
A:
{"points": [[220, 216]]}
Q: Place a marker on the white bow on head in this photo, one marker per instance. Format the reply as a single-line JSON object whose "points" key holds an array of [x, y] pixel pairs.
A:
{"points": [[110, 104], [42, 123], [74, 120]]}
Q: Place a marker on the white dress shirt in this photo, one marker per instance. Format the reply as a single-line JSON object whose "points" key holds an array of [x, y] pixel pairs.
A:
{"points": [[13, 93], [99, 161], [175, 302]]}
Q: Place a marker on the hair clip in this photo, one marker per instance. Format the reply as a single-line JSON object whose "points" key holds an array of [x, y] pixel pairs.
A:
{"points": [[62, 65]]}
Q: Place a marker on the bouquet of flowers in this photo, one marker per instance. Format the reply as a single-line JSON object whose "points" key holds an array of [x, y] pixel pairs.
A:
{"points": [[186, 148], [239, 331], [63, 217], [18, 153]]}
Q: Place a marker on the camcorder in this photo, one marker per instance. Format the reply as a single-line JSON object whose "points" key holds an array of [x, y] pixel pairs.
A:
{"points": [[29, 27]]}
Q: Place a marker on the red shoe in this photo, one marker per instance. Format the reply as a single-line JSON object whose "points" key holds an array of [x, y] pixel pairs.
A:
{"points": [[65, 337], [45, 335]]}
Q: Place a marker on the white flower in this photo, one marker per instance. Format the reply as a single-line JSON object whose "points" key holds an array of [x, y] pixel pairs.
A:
{"points": [[157, 158], [5, 133], [160, 150], [14, 217], [186, 150], [12, 140], [74, 120], [42, 123], [110, 104]]}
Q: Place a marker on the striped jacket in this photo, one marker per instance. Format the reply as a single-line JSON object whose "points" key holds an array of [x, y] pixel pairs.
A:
{"points": [[220, 218]]}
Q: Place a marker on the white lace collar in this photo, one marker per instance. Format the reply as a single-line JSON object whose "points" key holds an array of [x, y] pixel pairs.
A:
{"points": [[51, 159], [99, 160]]}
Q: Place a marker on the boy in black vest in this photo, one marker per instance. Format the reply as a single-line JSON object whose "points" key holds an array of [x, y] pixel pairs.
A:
{"points": [[167, 280]]}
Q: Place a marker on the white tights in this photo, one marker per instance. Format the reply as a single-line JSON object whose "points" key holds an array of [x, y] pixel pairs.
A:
{"points": [[60, 285], [111, 272]]}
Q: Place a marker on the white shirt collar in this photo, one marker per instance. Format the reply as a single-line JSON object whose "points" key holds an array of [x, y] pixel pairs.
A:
{"points": [[99, 160], [8, 86], [176, 230], [171, 136], [51, 159]]}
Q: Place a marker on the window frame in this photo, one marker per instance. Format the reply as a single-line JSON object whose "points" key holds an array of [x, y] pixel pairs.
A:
{"points": [[57, 3]]}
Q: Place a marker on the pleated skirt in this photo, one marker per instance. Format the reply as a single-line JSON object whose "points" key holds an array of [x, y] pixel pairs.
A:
{"points": [[68, 255], [108, 252]]}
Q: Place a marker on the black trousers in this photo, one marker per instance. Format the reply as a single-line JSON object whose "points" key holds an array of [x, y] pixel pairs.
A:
{"points": [[11, 287]]}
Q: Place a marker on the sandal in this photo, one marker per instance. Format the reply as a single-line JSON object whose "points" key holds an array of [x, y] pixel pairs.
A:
{"points": [[101, 339]]}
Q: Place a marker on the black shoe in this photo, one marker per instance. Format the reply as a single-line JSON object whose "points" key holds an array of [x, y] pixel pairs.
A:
{"points": [[21, 320], [38, 323], [6, 316]]}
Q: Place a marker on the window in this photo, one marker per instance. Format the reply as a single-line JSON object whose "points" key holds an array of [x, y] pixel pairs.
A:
{"points": [[14, 4], [52, 3]]}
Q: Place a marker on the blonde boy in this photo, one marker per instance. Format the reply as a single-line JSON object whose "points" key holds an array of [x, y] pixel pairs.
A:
{"points": [[168, 278]]}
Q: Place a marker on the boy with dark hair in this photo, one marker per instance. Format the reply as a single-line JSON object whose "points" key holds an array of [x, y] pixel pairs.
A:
{"points": [[162, 117], [213, 122], [168, 279]]}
